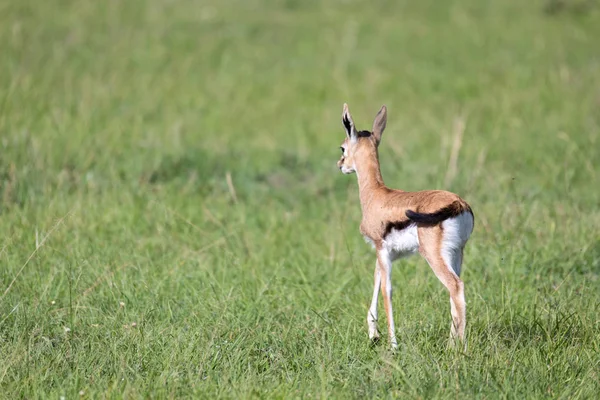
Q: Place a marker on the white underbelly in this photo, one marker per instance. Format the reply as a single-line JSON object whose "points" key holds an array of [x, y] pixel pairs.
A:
{"points": [[402, 243]]}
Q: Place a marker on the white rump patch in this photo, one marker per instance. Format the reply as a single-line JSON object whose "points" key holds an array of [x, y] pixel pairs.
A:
{"points": [[457, 231], [402, 243]]}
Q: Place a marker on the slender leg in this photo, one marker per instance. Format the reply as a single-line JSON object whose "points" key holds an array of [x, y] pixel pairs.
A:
{"points": [[444, 263], [385, 266], [458, 308], [372, 314]]}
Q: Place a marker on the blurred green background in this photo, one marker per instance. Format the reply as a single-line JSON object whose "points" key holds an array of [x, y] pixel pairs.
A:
{"points": [[172, 223]]}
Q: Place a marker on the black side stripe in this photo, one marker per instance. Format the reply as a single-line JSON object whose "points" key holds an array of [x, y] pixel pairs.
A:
{"points": [[443, 214], [397, 225]]}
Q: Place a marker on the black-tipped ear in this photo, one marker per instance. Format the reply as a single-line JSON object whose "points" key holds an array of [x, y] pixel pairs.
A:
{"points": [[379, 123], [348, 123]]}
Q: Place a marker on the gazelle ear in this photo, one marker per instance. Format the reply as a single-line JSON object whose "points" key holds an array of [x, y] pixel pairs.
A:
{"points": [[348, 123], [379, 124]]}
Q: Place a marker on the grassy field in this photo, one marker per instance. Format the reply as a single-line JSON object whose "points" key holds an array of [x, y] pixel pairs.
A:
{"points": [[172, 223]]}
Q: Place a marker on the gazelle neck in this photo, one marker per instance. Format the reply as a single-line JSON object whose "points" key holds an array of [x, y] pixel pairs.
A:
{"points": [[369, 176]]}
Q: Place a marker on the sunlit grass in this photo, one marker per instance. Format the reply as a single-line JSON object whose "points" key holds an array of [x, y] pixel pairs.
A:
{"points": [[172, 223]]}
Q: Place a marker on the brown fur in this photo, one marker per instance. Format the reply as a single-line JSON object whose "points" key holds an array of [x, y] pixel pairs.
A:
{"points": [[382, 205]]}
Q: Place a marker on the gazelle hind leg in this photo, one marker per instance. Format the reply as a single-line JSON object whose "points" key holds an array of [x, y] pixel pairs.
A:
{"points": [[458, 307], [444, 262], [372, 314]]}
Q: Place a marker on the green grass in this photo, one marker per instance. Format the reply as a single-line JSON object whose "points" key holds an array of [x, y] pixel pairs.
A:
{"points": [[120, 122]]}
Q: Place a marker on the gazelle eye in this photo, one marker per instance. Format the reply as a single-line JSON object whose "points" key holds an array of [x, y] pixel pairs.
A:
{"points": [[343, 150]]}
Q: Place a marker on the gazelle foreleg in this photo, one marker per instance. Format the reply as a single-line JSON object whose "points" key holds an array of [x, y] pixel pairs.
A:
{"points": [[372, 314], [385, 270]]}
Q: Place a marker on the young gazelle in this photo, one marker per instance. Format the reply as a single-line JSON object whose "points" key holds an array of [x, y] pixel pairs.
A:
{"points": [[435, 223]]}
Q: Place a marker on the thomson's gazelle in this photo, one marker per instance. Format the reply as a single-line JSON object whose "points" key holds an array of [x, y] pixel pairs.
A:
{"points": [[435, 223]]}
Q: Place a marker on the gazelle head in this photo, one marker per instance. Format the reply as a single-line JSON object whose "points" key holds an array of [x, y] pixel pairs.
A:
{"points": [[357, 141]]}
